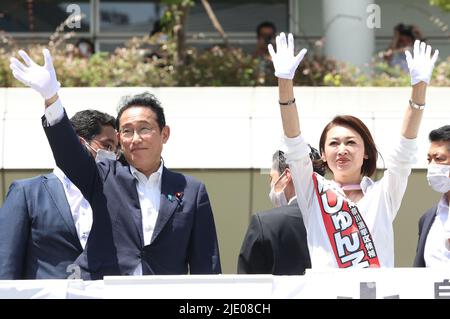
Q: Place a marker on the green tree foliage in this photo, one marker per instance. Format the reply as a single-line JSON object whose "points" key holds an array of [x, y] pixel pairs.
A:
{"points": [[444, 5]]}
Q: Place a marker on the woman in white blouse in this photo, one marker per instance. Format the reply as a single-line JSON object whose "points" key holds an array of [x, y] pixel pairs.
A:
{"points": [[349, 218]]}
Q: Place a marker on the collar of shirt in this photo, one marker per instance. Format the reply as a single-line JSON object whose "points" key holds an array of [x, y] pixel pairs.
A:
{"points": [[443, 207], [154, 179], [62, 177], [366, 182]]}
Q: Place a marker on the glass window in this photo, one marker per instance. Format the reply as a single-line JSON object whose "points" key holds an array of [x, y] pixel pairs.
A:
{"points": [[129, 16], [40, 15], [239, 16], [111, 45]]}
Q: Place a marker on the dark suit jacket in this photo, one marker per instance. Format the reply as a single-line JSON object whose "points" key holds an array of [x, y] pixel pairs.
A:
{"points": [[425, 223], [38, 239], [275, 243], [184, 239]]}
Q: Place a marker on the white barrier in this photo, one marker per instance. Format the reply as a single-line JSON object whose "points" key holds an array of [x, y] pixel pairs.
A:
{"points": [[228, 127], [396, 283]]}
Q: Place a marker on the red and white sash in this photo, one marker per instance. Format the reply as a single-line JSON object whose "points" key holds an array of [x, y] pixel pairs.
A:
{"points": [[348, 234]]}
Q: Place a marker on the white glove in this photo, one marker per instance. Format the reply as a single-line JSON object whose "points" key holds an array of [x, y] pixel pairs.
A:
{"points": [[284, 61], [40, 78], [421, 66]]}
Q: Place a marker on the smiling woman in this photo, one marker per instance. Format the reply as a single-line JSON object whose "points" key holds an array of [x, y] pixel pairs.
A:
{"points": [[349, 218]]}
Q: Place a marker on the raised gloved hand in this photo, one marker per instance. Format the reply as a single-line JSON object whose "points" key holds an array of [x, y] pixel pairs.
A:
{"points": [[40, 78], [422, 64], [284, 60]]}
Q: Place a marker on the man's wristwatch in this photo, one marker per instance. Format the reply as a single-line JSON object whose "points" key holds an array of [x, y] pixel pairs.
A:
{"points": [[416, 106]]}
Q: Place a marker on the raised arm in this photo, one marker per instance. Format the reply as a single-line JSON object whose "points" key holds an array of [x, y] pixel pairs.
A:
{"points": [[67, 150], [40, 78], [285, 64], [297, 155], [420, 66]]}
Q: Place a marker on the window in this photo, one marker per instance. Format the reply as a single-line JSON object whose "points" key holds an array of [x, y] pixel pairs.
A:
{"points": [[40, 16], [239, 16], [135, 17]]}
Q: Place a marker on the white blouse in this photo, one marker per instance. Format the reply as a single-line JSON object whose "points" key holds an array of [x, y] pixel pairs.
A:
{"points": [[378, 207]]}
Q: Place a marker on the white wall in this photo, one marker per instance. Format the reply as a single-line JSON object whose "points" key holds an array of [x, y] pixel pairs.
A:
{"points": [[219, 127]]}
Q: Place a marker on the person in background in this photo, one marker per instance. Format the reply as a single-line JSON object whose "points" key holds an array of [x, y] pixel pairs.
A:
{"points": [[85, 48], [265, 34], [45, 221], [275, 242], [403, 40], [433, 248]]}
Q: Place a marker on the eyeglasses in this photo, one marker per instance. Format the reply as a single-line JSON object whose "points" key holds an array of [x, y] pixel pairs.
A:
{"points": [[144, 131]]}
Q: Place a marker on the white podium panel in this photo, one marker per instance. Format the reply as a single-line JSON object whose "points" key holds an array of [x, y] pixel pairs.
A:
{"points": [[396, 283]]}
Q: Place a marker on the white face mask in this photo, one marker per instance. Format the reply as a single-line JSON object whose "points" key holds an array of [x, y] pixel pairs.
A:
{"points": [[438, 177], [278, 199], [104, 154], [101, 154]]}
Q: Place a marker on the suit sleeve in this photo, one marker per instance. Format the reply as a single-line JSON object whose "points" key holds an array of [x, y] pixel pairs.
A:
{"points": [[14, 231], [204, 247], [421, 221], [419, 260], [71, 157], [251, 258]]}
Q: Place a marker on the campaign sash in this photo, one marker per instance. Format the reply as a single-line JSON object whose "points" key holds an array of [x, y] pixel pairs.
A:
{"points": [[349, 236]]}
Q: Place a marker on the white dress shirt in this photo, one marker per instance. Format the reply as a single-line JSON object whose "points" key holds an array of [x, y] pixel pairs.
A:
{"points": [[149, 192], [378, 207], [437, 246], [79, 207]]}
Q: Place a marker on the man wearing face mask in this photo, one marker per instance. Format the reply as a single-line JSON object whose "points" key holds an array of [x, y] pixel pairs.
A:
{"points": [[45, 221], [275, 242], [433, 249]]}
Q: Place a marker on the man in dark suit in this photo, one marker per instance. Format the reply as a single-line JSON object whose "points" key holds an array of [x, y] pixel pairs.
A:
{"points": [[45, 221], [433, 248], [153, 220], [275, 242]]}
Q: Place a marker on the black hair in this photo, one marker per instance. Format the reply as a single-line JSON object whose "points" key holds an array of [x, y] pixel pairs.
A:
{"points": [[265, 24], [441, 134], [145, 99], [157, 27], [89, 123], [410, 31], [279, 161]]}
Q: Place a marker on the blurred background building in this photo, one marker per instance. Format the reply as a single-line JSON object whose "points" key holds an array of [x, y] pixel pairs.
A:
{"points": [[340, 26], [229, 143]]}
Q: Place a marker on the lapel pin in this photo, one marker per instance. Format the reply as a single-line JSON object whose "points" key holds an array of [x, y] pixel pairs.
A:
{"points": [[179, 196]]}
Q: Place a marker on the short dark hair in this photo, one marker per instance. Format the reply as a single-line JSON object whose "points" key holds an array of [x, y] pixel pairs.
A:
{"points": [[145, 99], [265, 24], [441, 134], [89, 123], [410, 31], [370, 164], [279, 161]]}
